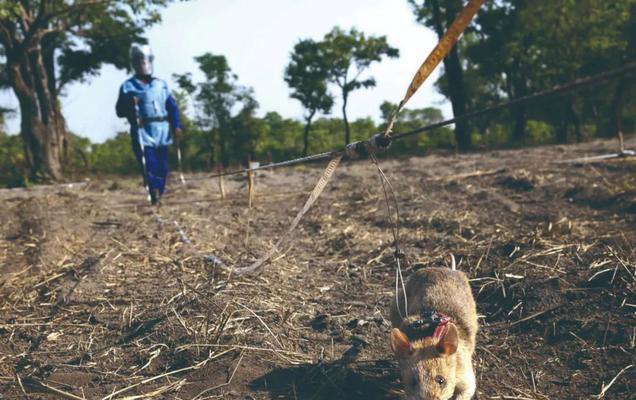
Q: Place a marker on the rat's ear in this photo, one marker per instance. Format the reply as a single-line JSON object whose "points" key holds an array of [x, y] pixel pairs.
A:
{"points": [[447, 344], [400, 344]]}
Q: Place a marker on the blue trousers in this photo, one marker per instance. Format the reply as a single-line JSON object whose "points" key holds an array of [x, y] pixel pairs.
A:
{"points": [[156, 171]]}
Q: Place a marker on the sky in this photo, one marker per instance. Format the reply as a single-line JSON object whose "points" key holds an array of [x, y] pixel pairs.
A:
{"points": [[257, 37]]}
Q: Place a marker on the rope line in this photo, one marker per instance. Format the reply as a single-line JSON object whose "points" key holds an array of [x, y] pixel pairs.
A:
{"points": [[315, 193], [585, 81], [337, 156], [588, 80], [286, 163], [441, 50], [369, 147]]}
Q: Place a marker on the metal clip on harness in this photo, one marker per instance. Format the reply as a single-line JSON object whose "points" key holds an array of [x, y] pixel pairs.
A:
{"points": [[376, 144]]}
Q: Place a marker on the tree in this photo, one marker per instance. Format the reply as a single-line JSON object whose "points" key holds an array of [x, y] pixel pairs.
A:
{"points": [[306, 75], [439, 15], [572, 39], [624, 84], [47, 44], [216, 97], [247, 128], [499, 60], [511, 53], [347, 56], [282, 141], [12, 162]]}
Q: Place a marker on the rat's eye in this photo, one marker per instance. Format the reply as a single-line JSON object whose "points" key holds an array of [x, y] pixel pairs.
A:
{"points": [[440, 380]]}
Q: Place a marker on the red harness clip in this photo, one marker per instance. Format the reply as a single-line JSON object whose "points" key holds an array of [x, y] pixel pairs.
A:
{"points": [[442, 320]]}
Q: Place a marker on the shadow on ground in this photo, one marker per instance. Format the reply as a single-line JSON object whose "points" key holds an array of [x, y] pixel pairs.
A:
{"points": [[367, 380]]}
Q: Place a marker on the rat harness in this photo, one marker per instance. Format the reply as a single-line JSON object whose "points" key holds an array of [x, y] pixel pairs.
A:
{"points": [[429, 324]]}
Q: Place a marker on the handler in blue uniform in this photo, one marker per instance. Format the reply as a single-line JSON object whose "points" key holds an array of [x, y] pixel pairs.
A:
{"points": [[153, 115]]}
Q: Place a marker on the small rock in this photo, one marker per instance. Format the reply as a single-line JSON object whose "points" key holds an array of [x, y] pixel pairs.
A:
{"points": [[357, 323], [359, 340], [320, 322]]}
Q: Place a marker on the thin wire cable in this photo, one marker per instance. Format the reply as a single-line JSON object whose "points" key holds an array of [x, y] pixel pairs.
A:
{"points": [[395, 228], [294, 161], [589, 80]]}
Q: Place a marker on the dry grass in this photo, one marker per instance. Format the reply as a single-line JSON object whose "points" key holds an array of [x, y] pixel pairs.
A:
{"points": [[102, 298]]}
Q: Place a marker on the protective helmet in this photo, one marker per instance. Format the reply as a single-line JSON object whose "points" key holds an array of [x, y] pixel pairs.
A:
{"points": [[141, 59]]}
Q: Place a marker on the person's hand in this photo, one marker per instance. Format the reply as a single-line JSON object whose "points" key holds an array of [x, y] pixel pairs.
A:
{"points": [[177, 133]]}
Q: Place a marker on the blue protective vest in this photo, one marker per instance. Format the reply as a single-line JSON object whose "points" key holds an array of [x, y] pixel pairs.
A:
{"points": [[151, 108]]}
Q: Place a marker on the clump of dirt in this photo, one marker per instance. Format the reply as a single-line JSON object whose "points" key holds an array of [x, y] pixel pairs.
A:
{"points": [[102, 295], [599, 197], [519, 184]]}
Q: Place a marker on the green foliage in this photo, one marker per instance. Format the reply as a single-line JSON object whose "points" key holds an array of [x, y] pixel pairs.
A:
{"points": [[282, 141], [347, 56], [216, 100], [411, 119], [306, 75], [13, 163], [510, 53], [247, 129], [425, 11], [84, 34], [77, 157], [340, 58], [439, 15], [47, 44], [114, 156], [539, 132]]}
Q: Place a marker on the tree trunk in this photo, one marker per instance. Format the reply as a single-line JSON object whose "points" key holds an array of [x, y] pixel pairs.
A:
{"points": [[223, 154], [344, 117], [574, 117], [454, 75], [225, 160], [519, 131], [208, 148], [42, 124], [458, 99], [616, 128], [562, 132], [518, 111], [306, 133]]}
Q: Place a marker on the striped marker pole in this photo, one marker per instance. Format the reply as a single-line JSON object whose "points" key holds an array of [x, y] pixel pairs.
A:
{"points": [[141, 145]]}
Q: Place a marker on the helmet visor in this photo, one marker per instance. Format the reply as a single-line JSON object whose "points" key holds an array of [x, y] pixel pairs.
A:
{"points": [[141, 59]]}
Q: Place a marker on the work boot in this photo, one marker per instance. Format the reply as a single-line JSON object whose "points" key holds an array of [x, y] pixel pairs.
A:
{"points": [[155, 197]]}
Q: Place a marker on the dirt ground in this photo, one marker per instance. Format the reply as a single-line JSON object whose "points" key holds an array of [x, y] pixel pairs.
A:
{"points": [[103, 298]]}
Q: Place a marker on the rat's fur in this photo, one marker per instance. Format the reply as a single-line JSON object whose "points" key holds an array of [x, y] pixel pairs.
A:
{"points": [[424, 362]]}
